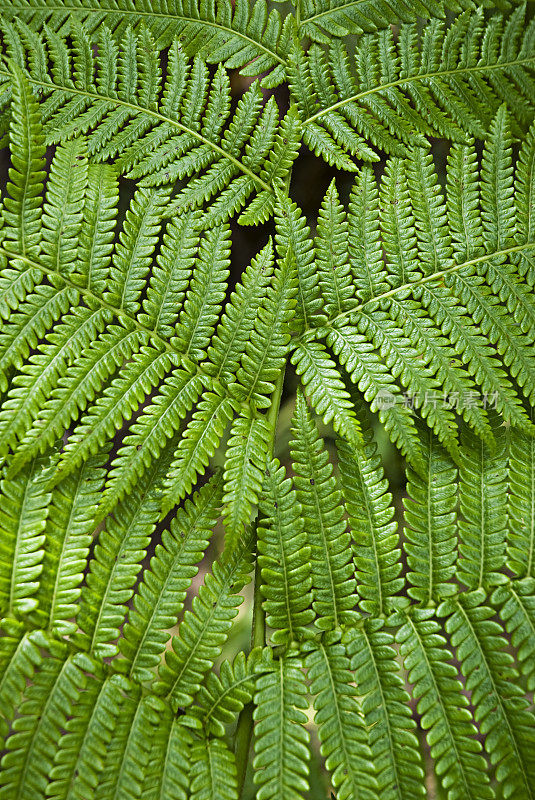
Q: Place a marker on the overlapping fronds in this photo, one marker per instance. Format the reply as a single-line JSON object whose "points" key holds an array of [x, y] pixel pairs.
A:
{"points": [[170, 428], [437, 315], [396, 90], [250, 37], [160, 128]]}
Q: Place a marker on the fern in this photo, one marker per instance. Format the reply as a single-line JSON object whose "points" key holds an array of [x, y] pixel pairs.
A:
{"points": [[348, 417]]}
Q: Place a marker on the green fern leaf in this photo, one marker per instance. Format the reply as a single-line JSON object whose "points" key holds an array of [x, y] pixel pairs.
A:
{"points": [[521, 504], [281, 740], [197, 445], [516, 607], [162, 591], [500, 708], [333, 586], [482, 494], [116, 562], [374, 534], [324, 388], [431, 526], [223, 696], [213, 771], [248, 450], [68, 530], [268, 345], [23, 515], [341, 729], [283, 556], [23, 206], [237, 321], [395, 751], [443, 706], [204, 630]]}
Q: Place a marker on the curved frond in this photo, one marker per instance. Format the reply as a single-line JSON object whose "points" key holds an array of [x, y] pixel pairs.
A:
{"points": [[204, 630]]}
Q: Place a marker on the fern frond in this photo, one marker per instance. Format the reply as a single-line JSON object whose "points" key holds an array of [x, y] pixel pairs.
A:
{"points": [[445, 81], [293, 242], [451, 734], [149, 435], [197, 445], [333, 586], [223, 696], [63, 207], [323, 21], [116, 562], [160, 596], [521, 504], [324, 388], [237, 321], [516, 607], [375, 541], [332, 263], [248, 450], [20, 654], [23, 515], [500, 707], [131, 259], [26, 745], [341, 729], [281, 740], [81, 750], [483, 499], [268, 344], [367, 370], [204, 630], [164, 130], [284, 558], [171, 274], [395, 749], [213, 771], [249, 38], [68, 530], [22, 208], [431, 525]]}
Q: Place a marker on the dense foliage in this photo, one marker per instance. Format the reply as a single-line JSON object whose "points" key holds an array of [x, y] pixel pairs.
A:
{"points": [[141, 381]]}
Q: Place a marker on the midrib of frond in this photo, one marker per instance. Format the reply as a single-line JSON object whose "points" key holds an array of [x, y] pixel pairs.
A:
{"points": [[401, 82], [499, 699], [453, 742], [119, 784], [386, 717], [312, 333], [153, 15], [115, 101]]}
